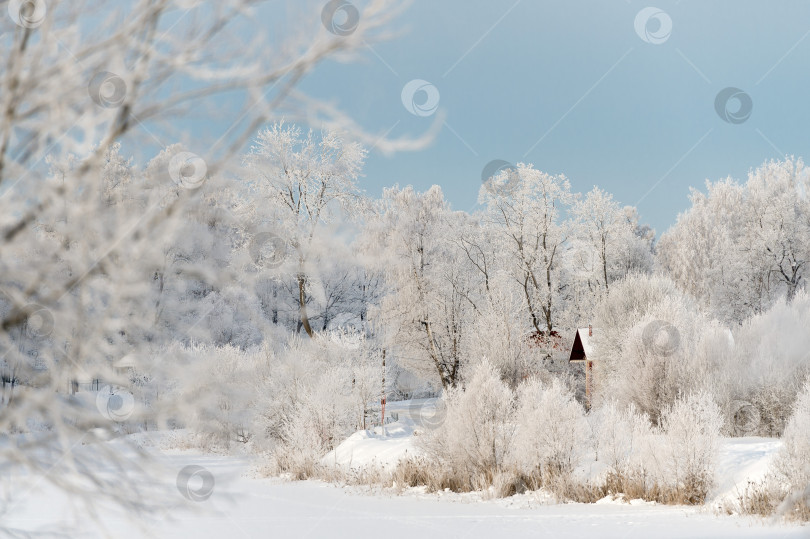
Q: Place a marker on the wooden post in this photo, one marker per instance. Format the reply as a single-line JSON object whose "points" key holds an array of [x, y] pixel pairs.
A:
{"points": [[588, 381], [382, 395]]}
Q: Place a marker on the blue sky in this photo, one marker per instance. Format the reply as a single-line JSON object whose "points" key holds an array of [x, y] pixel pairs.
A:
{"points": [[572, 88]]}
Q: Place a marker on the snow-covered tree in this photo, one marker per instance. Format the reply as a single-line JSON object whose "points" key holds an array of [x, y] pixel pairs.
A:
{"points": [[304, 181], [742, 246], [527, 223], [428, 308], [769, 366], [605, 235], [500, 333], [779, 226], [645, 342]]}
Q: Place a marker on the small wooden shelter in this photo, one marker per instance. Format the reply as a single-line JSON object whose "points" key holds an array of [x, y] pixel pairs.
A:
{"points": [[581, 352]]}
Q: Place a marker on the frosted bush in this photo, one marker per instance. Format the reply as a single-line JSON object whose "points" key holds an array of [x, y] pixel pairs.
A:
{"points": [[691, 440], [630, 448], [785, 490], [629, 300], [478, 429], [491, 435], [651, 345], [772, 362], [318, 420], [657, 360], [359, 367], [792, 463], [302, 398], [552, 433], [300, 445], [225, 389], [319, 392], [619, 434], [670, 463]]}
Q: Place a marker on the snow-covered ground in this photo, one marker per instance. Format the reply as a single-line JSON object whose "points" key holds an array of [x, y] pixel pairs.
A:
{"points": [[246, 506], [243, 504], [741, 460], [385, 447]]}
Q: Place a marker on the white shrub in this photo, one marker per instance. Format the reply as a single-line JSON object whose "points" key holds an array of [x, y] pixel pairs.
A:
{"points": [[360, 368], [478, 429], [629, 300], [300, 444], [671, 463], [691, 428], [224, 384], [552, 433], [786, 489], [307, 407], [295, 403], [772, 362], [657, 360], [619, 436], [651, 345], [792, 463], [492, 435]]}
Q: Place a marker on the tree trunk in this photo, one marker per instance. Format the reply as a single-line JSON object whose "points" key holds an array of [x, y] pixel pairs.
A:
{"points": [[161, 283], [527, 294], [302, 303], [274, 310], [448, 379], [604, 261]]}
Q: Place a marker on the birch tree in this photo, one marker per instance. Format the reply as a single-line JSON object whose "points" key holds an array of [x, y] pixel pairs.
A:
{"points": [[304, 180], [429, 302], [527, 220], [607, 244], [739, 247]]}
